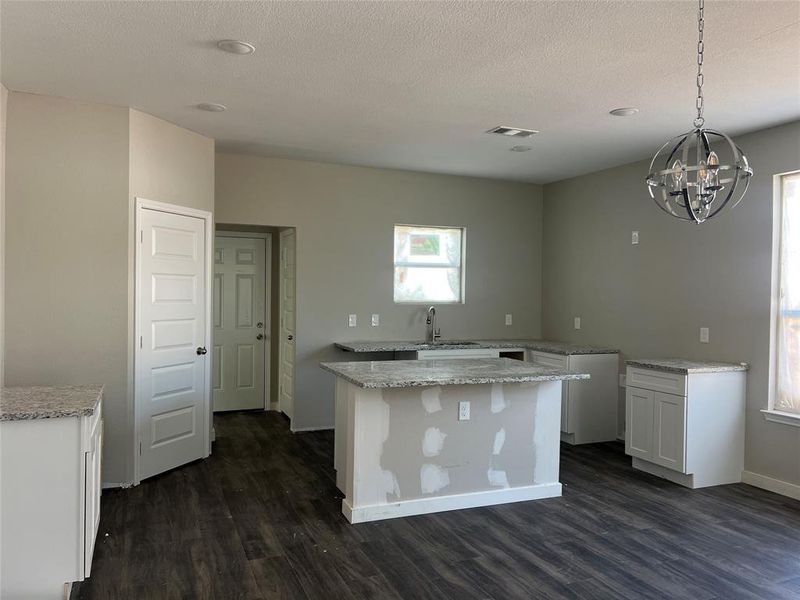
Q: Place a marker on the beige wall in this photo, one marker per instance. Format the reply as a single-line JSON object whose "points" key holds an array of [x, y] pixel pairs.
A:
{"points": [[67, 252], [651, 299], [3, 107], [344, 218], [73, 172]]}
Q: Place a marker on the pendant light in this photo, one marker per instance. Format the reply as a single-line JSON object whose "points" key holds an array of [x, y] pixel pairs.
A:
{"points": [[697, 174]]}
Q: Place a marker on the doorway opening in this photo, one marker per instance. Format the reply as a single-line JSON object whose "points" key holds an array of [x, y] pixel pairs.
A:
{"points": [[250, 301]]}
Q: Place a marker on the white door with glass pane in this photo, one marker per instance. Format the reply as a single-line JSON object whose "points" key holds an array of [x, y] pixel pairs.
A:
{"points": [[172, 409], [428, 264], [239, 317], [288, 283]]}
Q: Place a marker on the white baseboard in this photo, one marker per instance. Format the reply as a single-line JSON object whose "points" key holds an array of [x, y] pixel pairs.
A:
{"points": [[784, 488], [421, 506], [307, 429]]}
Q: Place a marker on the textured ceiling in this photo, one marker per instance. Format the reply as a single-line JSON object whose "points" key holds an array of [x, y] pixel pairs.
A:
{"points": [[414, 85]]}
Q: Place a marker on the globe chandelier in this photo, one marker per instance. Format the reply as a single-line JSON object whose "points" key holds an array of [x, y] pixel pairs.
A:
{"points": [[697, 174]]}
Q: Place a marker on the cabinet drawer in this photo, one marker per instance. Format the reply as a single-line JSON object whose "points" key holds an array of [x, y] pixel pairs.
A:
{"points": [[658, 381], [555, 361], [89, 428]]}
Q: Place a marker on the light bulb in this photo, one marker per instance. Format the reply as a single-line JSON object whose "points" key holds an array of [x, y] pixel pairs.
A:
{"points": [[712, 178], [678, 176]]}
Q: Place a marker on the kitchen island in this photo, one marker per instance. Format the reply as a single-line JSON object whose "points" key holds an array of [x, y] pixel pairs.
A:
{"points": [[422, 436]]}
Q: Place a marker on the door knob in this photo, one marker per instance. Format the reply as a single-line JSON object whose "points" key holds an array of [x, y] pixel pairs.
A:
{"points": [[201, 351], [290, 338], [260, 336]]}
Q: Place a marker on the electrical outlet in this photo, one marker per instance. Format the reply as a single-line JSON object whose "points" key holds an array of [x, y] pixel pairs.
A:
{"points": [[352, 320], [463, 411], [509, 319], [623, 380], [704, 335], [577, 322], [376, 320], [634, 237]]}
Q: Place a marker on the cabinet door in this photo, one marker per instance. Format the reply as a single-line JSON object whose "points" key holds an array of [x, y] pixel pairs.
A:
{"points": [[93, 460], [556, 361], [669, 448], [639, 415]]}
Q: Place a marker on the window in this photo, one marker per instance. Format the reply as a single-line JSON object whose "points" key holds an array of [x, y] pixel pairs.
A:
{"points": [[787, 392], [428, 264]]}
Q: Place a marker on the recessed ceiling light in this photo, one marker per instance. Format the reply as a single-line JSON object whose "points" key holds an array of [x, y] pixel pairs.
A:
{"points": [[212, 107], [624, 112], [512, 131], [236, 46], [520, 148]]}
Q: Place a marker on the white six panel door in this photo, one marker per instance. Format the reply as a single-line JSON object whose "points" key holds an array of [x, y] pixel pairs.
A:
{"points": [[239, 323], [171, 370]]}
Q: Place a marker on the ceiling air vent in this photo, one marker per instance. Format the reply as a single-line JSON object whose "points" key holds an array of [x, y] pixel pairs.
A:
{"points": [[513, 131]]}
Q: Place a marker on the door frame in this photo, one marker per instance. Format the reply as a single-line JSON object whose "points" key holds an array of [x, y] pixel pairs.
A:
{"points": [[281, 235], [267, 237], [208, 226]]}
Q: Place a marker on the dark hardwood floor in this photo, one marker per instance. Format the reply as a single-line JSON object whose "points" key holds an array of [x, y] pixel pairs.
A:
{"points": [[261, 519]]}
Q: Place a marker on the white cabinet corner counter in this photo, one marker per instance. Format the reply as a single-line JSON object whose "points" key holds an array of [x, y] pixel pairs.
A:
{"points": [[588, 408], [684, 420], [423, 436], [51, 442]]}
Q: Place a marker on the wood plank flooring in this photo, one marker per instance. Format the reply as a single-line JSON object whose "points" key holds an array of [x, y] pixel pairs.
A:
{"points": [[261, 519]]}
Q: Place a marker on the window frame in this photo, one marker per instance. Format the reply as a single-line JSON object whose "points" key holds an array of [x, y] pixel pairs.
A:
{"points": [[771, 413], [462, 267]]}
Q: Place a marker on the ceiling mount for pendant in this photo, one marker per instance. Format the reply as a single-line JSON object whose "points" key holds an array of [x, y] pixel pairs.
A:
{"points": [[697, 174]]}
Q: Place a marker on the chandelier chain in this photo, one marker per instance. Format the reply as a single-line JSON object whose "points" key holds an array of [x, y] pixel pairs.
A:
{"points": [[699, 120]]}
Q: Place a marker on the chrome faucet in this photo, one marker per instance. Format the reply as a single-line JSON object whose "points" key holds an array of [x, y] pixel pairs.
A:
{"points": [[433, 333]]}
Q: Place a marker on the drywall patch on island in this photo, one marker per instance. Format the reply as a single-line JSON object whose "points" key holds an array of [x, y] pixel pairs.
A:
{"points": [[499, 440], [433, 442], [498, 400], [433, 478], [497, 478], [431, 400]]}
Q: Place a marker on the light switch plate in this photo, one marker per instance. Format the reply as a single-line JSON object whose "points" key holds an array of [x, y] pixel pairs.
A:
{"points": [[463, 411], [704, 335], [376, 320], [623, 380], [509, 319], [634, 237], [577, 322], [352, 320]]}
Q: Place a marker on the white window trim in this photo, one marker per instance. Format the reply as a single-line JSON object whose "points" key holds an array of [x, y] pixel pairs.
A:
{"points": [[462, 266], [771, 414], [779, 416]]}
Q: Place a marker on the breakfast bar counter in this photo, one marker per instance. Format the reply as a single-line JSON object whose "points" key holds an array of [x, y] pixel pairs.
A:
{"points": [[424, 436]]}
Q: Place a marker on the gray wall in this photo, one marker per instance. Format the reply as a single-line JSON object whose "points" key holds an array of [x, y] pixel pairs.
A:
{"points": [[651, 299], [344, 218], [73, 170], [67, 253], [3, 107]]}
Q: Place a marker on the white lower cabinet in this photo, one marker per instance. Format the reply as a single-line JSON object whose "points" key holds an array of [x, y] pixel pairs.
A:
{"points": [[696, 439], [50, 503], [588, 406]]}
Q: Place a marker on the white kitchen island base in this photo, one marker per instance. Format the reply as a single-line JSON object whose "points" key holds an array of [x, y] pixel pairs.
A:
{"points": [[402, 451]]}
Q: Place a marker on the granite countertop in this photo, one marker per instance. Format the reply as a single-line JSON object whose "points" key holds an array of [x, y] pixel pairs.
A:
{"points": [[416, 373], [49, 402], [564, 348], [686, 367]]}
